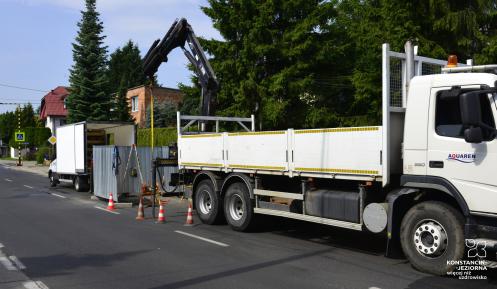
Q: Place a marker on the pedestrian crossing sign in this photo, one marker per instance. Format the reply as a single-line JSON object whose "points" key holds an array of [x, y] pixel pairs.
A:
{"points": [[20, 136]]}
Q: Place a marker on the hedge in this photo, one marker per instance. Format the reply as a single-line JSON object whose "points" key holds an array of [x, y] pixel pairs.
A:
{"points": [[162, 136], [35, 136]]}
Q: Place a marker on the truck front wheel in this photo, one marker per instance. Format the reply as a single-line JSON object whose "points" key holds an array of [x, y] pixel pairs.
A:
{"points": [[238, 207], [431, 236], [207, 203]]}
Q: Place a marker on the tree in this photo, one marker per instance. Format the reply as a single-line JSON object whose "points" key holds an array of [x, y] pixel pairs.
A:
{"points": [[125, 65], [164, 114], [439, 28], [125, 71], [89, 97], [267, 64], [28, 117], [8, 123]]}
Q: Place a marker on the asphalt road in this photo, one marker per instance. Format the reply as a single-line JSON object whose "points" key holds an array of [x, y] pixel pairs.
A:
{"points": [[57, 238]]}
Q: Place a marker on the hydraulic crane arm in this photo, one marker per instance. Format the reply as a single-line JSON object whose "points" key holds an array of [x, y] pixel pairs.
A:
{"points": [[180, 33]]}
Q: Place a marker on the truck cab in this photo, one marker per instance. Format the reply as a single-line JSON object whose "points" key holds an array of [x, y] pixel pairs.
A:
{"points": [[434, 138]]}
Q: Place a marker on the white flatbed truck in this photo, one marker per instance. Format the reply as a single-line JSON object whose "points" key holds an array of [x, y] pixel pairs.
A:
{"points": [[74, 150], [426, 177]]}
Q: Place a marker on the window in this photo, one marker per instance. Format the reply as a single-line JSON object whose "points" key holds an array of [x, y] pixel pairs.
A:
{"points": [[134, 104], [65, 103], [448, 117]]}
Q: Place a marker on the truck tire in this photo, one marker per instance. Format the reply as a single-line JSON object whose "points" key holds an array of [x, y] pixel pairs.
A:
{"points": [[208, 203], [53, 179], [238, 208], [81, 184], [431, 234]]}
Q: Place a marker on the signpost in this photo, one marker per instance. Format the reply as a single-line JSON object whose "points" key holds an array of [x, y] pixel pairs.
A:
{"points": [[52, 140]]}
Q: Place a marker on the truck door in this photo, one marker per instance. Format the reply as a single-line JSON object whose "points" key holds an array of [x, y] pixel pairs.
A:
{"points": [[471, 168], [79, 147]]}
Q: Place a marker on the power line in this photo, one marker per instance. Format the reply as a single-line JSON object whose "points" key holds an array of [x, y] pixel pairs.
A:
{"points": [[23, 88]]}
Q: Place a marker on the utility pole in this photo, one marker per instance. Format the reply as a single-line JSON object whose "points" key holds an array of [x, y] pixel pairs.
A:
{"points": [[19, 162]]}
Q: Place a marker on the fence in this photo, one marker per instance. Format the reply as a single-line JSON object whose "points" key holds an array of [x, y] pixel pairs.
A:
{"points": [[110, 174]]}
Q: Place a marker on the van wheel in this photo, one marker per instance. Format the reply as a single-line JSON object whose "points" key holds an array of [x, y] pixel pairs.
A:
{"points": [[238, 207], [53, 180], [81, 184], [207, 203], [431, 235]]}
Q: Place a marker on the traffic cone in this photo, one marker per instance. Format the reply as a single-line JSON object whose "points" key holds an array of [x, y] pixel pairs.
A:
{"points": [[189, 215], [141, 213], [110, 206], [161, 218]]}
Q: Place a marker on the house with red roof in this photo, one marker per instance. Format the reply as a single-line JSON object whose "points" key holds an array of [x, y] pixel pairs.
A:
{"points": [[53, 110]]}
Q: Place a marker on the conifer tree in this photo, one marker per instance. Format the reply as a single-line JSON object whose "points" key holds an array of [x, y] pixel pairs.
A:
{"points": [[125, 71], [89, 97]]}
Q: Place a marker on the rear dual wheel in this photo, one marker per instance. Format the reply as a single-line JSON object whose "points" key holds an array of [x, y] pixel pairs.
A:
{"points": [[237, 205], [208, 203], [81, 184], [238, 208]]}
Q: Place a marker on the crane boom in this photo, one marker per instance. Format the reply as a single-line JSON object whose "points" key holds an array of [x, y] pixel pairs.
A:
{"points": [[180, 33]]}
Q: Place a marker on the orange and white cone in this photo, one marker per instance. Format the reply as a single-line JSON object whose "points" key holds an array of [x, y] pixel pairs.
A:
{"points": [[141, 213], [110, 206], [189, 215], [161, 218]]}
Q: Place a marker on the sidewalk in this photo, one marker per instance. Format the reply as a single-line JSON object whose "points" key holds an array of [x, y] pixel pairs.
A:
{"points": [[27, 166]]}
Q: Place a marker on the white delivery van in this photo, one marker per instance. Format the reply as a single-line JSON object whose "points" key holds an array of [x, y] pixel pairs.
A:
{"points": [[74, 149]]}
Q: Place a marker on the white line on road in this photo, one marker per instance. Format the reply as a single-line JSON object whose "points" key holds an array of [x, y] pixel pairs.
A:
{"points": [[8, 180], [7, 264], [1, 246], [57, 195], [105, 210], [202, 238], [29, 187], [17, 262], [34, 285]]}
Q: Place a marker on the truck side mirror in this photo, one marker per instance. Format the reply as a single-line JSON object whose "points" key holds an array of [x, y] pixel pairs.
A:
{"points": [[473, 135], [469, 104]]}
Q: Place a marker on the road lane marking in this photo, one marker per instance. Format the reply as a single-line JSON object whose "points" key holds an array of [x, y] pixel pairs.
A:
{"points": [[202, 238], [34, 285], [105, 210], [1, 245], [57, 195], [17, 262], [7, 264], [29, 187], [8, 180]]}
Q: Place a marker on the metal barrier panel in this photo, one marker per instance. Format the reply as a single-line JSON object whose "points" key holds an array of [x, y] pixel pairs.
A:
{"points": [[120, 179]]}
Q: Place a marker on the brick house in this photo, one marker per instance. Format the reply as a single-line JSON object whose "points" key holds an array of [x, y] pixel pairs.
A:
{"points": [[53, 109], [139, 100]]}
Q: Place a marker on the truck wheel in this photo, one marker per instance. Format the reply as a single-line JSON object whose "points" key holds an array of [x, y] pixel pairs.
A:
{"points": [[81, 184], [53, 180], [207, 203], [238, 207], [431, 234]]}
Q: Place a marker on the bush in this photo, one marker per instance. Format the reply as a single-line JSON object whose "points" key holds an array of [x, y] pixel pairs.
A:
{"points": [[40, 154], [162, 136]]}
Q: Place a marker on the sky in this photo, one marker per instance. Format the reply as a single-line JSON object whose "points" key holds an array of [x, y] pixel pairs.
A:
{"points": [[36, 38]]}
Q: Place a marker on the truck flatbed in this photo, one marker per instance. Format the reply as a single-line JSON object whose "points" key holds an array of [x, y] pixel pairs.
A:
{"points": [[342, 153]]}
